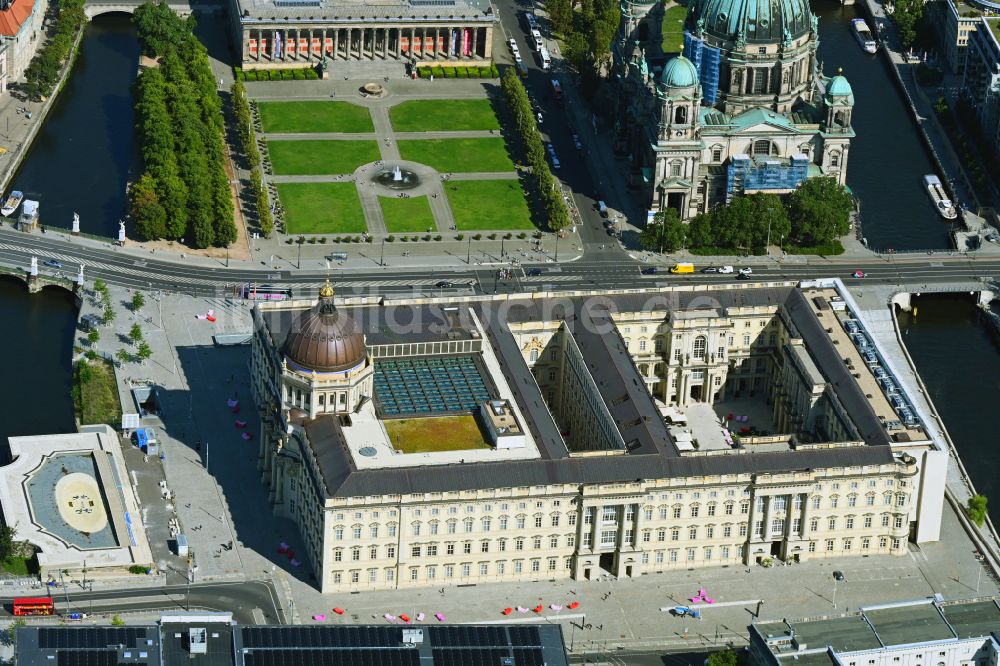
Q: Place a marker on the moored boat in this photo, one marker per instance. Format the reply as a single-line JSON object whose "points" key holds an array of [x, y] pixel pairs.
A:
{"points": [[942, 204], [11, 204], [864, 35]]}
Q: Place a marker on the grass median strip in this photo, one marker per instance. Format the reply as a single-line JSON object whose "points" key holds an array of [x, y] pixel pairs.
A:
{"points": [[319, 158], [322, 208], [443, 115], [458, 155], [314, 116], [488, 205]]}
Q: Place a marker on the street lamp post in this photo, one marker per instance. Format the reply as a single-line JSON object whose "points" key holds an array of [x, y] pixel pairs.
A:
{"points": [[381, 258], [557, 247], [501, 247], [299, 262], [468, 257]]}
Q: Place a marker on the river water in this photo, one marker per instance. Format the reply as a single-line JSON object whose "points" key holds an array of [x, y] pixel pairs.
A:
{"points": [[81, 159]]}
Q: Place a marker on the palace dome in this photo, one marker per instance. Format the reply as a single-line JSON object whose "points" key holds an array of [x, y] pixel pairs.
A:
{"points": [[757, 21], [839, 87], [324, 339], [679, 72]]}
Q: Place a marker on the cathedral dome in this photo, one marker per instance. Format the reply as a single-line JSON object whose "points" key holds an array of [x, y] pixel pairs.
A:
{"points": [[324, 339], [839, 87], [679, 72], [757, 21]]}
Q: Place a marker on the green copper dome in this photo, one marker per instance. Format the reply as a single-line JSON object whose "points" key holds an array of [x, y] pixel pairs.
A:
{"points": [[679, 72], [839, 87], [754, 21]]}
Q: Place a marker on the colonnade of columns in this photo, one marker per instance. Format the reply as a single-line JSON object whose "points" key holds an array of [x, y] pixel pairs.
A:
{"points": [[366, 43]]}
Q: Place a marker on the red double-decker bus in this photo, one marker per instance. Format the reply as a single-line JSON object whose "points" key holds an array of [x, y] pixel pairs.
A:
{"points": [[34, 606]]}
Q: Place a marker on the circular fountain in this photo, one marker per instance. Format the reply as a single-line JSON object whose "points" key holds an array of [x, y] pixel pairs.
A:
{"points": [[396, 178]]}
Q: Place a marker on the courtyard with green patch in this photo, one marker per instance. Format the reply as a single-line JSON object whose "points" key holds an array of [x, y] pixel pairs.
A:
{"points": [[301, 117], [673, 28], [458, 155], [318, 157], [321, 208], [443, 115], [488, 204], [442, 433], [407, 215]]}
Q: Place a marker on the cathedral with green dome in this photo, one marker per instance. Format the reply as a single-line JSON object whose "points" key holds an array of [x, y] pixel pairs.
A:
{"points": [[744, 108]]}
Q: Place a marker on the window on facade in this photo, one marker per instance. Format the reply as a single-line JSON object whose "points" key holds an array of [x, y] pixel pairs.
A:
{"points": [[694, 510], [519, 522], [467, 547], [716, 154], [675, 534], [699, 348], [355, 554], [850, 523], [675, 169], [373, 553], [533, 355], [835, 159]]}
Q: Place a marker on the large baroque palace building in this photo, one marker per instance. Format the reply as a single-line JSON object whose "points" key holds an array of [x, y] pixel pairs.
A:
{"points": [[744, 109], [618, 435]]}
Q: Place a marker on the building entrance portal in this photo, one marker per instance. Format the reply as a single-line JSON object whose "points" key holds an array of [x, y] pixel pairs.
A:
{"points": [[696, 393], [607, 565], [775, 549]]}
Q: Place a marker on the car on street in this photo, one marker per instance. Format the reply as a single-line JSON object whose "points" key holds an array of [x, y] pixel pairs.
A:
{"points": [[517, 57], [838, 575], [725, 269], [576, 142], [859, 274], [745, 271], [710, 269], [443, 284], [743, 276], [533, 272], [513, 44], [52, 263], [649, 270]]}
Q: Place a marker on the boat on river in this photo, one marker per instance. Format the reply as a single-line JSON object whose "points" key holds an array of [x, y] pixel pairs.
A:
{"points": [[864, 35], [11, 204], [942, 204]]}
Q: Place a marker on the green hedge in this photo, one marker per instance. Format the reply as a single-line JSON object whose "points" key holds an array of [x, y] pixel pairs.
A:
{"points": [[296, 74], [489, 72]]}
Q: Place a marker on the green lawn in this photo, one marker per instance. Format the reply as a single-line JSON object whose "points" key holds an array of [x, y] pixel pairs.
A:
{"points": [[20, 566], [673, 28], [443, 115], [319, 158], [302, 117], [322, 208], [95, 393], [488, 204], [407, 215], [443, 433], [458, 155]]}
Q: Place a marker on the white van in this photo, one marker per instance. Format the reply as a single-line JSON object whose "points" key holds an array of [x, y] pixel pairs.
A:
{"points": [[544, 59]]}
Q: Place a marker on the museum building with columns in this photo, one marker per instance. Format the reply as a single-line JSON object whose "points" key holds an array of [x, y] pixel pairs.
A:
{"points": [[428, 442], [305, 33]]}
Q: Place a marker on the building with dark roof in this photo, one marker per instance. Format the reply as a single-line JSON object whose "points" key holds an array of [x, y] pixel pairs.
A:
{"points": [[924, 631], [213, 639], [655, 430]]}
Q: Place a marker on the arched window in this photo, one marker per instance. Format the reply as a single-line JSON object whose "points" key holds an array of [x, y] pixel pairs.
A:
{"points": [[681, 115], [717, 154], [675, 168], [835, 159], [761, 147], [533, 355], [700, 345]]}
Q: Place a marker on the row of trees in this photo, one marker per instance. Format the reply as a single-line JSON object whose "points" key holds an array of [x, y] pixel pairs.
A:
{"points": [[588, 28], [548, 188], [43, 72], [184, 192], [814, 215], [244, 121]]}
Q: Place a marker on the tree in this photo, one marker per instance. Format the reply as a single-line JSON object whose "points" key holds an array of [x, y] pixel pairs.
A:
{"points": [[7, 543], [135, 333], [976, 509], [117, 621], [100, 286], [144, 207], [94, 336], [699, 231], [723, 658], [145, 351], [819, 211], [123, 356], [666, 233], [109, 314], [138, 300]]}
